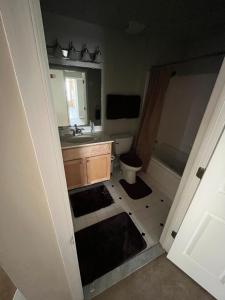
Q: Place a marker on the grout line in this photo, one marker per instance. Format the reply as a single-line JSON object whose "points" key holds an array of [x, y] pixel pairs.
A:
{"points": [[137, 210]]}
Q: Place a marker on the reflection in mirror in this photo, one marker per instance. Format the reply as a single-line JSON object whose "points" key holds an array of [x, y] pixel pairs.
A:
{"points": [[75, 85], [76, 95]]}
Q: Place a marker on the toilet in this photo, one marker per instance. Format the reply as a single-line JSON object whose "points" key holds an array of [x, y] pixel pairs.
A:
{"points": [[130, 163]]}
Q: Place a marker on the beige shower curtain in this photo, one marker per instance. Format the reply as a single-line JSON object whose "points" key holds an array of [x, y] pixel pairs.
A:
{"points": [[158, 83]]}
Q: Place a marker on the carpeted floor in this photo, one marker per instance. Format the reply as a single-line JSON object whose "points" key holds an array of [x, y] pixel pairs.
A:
{"points": [[7, 289], [159, 280]]}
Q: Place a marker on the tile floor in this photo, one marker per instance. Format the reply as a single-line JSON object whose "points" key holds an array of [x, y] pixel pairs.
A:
{"points": [[148, 214]]}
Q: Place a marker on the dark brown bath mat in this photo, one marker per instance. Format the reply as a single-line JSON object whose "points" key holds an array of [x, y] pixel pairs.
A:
{"points": [[86, 201], [137, 190], [106, 245]]}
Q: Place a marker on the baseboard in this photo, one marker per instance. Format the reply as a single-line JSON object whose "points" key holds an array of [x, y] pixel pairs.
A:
{"points": [[18, 296]]}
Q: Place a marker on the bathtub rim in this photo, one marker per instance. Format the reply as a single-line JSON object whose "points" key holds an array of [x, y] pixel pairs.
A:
{"points": [[164, 165]]}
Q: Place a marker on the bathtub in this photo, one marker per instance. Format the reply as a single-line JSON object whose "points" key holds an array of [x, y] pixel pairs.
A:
{"points": [[166, 168]]}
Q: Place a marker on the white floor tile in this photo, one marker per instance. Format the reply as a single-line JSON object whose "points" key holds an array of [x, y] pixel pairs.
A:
{"points": [[147, 213], [148, 220]]}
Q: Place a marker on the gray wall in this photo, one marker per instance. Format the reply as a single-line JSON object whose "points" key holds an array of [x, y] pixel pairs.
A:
{"points": [[124, 63], [127, 59], [93, 82]]}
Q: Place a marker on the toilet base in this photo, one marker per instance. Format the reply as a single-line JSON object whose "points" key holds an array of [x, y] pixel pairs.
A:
{"points": [[129, 173], [129, 176]]}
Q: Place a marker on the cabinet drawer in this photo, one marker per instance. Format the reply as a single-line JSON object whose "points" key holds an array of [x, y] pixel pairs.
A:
{"points": [[86, 151]]}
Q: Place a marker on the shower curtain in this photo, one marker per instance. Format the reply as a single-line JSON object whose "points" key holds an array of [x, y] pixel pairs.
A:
{"points": [[157, 86]]}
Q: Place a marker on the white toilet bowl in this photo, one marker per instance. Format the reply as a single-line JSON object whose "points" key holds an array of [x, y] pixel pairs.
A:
{"points": [[129, 173], [129, 162]]}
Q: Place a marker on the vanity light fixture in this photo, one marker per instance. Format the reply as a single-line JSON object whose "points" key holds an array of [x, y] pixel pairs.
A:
{"points": [[57, 52], [97, 55], [72, 53], [85, 54]]}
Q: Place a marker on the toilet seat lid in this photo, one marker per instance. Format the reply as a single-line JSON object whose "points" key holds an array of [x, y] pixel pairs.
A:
{"points": [[131, 159]]}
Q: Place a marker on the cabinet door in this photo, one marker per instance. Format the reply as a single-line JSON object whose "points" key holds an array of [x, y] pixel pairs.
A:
{"points": [[98, 168], [75, 173]]}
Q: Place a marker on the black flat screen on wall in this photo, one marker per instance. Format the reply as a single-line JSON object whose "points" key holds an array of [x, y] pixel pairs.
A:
{"points": [[122, 106]]}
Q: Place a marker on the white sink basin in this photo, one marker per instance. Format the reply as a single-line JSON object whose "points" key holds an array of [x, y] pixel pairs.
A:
{"points": [[81, 139]]}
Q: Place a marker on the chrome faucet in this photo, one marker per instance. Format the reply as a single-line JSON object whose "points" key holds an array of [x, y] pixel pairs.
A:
{"points": [[73, 131], [78, 130]]}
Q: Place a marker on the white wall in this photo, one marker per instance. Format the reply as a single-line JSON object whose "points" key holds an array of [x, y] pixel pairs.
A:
{"points": [[29, 250], [124, 63], [185, 102], [189, 91]]}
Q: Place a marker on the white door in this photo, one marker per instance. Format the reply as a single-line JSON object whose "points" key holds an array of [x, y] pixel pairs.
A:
{"points": [[82, 101], [199, 247]]}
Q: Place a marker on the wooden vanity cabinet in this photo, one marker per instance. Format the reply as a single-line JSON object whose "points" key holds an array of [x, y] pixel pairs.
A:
{"points": [[75, 173], [87, 164], [98, 168]]}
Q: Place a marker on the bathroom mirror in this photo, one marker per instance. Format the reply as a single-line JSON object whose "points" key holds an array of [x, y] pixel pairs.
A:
{"points": [[76, 95]]}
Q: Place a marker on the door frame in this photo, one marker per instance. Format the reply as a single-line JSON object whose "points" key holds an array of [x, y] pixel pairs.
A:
{"points": [[209, 132], [27, 14], [23, 26]]}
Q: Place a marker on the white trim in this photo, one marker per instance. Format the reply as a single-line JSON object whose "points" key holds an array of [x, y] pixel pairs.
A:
{"points": [[163, 178], [209, 132], [68, 249], [18, 296], [162, 165], [31, 62]]}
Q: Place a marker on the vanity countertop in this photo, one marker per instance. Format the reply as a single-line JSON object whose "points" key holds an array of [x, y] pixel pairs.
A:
{"points": [[84, 140]]}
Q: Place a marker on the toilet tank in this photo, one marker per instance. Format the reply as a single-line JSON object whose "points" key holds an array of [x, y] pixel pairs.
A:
{"points": [[122, 143]]}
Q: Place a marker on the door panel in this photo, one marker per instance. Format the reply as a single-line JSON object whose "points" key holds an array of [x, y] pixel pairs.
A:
{"points": [[75, 173], [98, 168], [199, 248]]}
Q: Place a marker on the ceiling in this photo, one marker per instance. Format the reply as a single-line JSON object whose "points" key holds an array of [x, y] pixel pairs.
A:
{"points": [[180, 18]]}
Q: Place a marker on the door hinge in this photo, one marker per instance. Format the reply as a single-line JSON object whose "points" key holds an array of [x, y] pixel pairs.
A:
{"points": [[200, 172], [173, 234]]}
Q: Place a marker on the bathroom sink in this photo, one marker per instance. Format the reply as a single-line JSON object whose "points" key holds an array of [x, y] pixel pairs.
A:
{"points": [[81, 139]]}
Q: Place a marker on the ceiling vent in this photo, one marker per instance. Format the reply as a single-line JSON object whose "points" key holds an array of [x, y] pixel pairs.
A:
{"points": [[135, 27]]}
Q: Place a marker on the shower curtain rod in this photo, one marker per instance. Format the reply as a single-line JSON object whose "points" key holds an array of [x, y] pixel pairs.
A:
{"points": [[190, 59]]}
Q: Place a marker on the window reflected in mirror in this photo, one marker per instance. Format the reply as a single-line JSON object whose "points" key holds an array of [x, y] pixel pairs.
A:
{"points": [[76, 95]]}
